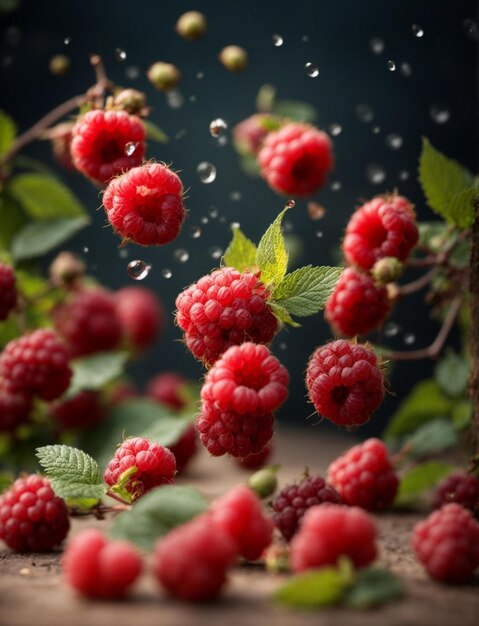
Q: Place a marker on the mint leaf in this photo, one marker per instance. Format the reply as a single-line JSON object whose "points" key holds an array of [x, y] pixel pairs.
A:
{"points": [[154, 132], [271, 256], [452, 373], [419, 479], [7, 132], [92, 372], [156, 513], [433, 437], [241, 253], [38, 238], [282, 314], [43, 197], [374, 586], [461, 208], [306, 290]]}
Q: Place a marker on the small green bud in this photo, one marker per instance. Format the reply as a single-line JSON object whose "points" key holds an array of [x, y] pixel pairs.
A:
{"points": [[130, 100], [163, 76], [234, 58], [387, 270], [264, 482], [191, 25], [277, 559], [59, 65]]}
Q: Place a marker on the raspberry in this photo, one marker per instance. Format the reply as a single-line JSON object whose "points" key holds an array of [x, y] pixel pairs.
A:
{"points": [[15, 408], [141, 315], [8, 291], [330, 531], [238, 513], [383, 227], [145, 205], [345, 382], [447, 544], [357, 305], [98, 568], [36, 364], [32, 517], [293, 501], [191, 560], [460, 488], [256, 460], [166, 388], [224, 309], [155, 466], [296, 159], [364, 476], [78, 412], [101, 140], [248, 135], [88, 322]]}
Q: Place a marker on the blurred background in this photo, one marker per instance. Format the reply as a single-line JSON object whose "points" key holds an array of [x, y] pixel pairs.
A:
{"points": [[389, 73]]}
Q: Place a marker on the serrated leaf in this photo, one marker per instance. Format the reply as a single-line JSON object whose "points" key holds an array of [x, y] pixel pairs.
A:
{"points": [[295, 110], [282, 314], [272, 256], [314, 589], [154, 132], [374, 586], [433, 437], [7, 132], [156, 513], [44, 198], [241, 253], [93, 372], [452, 374], [306, 290], [38, 238], [461, 207], [420, 479]]}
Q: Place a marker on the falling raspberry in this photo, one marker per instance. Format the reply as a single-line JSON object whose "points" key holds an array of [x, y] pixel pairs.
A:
{"points": [[141, 315], [460, 488], [8, 291], [248, 135], [166, 388], [81, 411]]}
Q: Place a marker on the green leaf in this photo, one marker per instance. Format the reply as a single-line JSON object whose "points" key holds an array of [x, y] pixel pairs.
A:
{"points": [[314, 588], [93, 372], [156, 513], [73, 473], [7, 132], [282, 314], [461, 207], [7, 6], [167, 430], [6, 479], [306, 290], [462, 414], [433, 437], [452, 374], [38, 238], [154, 132], [271, 256], [374, 586], [241, 253], [249, 165], [12, 219], [433, 230], [419, 479], [295, 110]]}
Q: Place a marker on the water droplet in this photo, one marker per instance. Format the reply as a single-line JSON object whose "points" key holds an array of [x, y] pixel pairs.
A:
{"points": [[166, 273], [316, 211], [206, 172], [287, 226], [391, 65], [204, 220], [132, 72], [200, 75], [417, 31], [123, 253], [192, 98], [222, 141], [181, 255], [290, 204], [319, 234], [235, 225], [181, 133], [365, 113], [195, 232], [311, 70], [277, 40], [375, 174], [406, 69], [215, 252], [13, 36], [67, 41], [394, 141], [213, 212], [130, 147], [138, 269], [376, 45], [409, 339], [235, 196], [335, 129], [174, 99], [439, 114], [120, 54], [376, 130], [335, 185], [391, 329], [470, 28], [305, 38], [86, 249], [403, 175], [283, 345], [218, 127], [222, 219]]}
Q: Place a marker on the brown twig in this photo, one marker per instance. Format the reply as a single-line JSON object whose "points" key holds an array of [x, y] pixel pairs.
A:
{"points": [[417, 285]]}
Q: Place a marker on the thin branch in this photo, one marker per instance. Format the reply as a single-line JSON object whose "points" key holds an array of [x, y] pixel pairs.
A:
{"points": [[417, 285]]}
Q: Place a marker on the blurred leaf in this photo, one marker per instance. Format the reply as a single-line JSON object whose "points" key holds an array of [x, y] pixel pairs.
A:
{"points": [[95, 371], [420, 479], [374, 586], [432, 230], [154, 132], [432, 438], [27, 163], [9, 329], [461, 208], [249, 165], [38, 238], [7, 131], [241, 253], [7, 6], [461, 254], [295, 110], [6, 479], [168, 430], [462, 414], [271, 256], [265, 98], [452, 374], [12, 219], [282, 314], [294, 247], [44, 197]]}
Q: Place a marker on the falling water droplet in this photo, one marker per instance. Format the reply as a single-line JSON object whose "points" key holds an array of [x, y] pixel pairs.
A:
{"points": [[376, 130], [67, 41], [123, 253], [206, 172], [391, 329], [213, 212], [287, 226], [305, 38], [132, 72], [222, 141], [120, 54], [174, 99], [235, 225], [439, 114], [166, 273], [181, 255], [311, 70], [215, 252], [471, 29], [335, 185], [417, 31], [335, 129], [409, 339], [138, 269], [394, 141], [319, 234], [204, 220], [86, 249], [376, 45], [235, 196], [277, 40], [218, 127], [406, 69], [193, 98], [375, 174], [283, 345], [403, 175], [130, 147], [290, 204], [391, 65], [364, 113], [200, 75], [195, 232]]}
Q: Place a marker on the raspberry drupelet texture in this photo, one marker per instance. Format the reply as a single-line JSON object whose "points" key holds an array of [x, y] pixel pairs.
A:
{"points": [[293, 501], [447, 544], [357, 304], [239, 514], [32, 517], [224, 309], [256, 460], [81, 411], [383, 227], [15, 408], [192, 560], [166, 388], [296, 159], [100, 144], [345, 382], [98, 568], [364, 476], [155, 466], [145, 205], [460, 488], [36, 364], [8, 291], [141, 315], [88, 322], [331, 531]]}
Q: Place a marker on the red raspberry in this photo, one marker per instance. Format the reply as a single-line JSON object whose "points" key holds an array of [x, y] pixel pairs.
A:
{"points": [[331, 531], [145, 205], [36, 364], [78, 412], [460, 488], [15, 408], [32, 517], [364, 476], [155, 466], [256, 460], [185, 448], [101, 142], [293, 501], [383, 227], [249, 134], [8, 291], [98, 568], [447, 544], [239, 514], [191, 561], [357, 304], [141, 315], [345, 382], [296, 159], [88, 322], [224, 309], [166, 388]]}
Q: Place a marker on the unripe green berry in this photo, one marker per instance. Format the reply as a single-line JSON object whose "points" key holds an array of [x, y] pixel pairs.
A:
{"points": [[276, 559], [59, 64], [264, 482], [191, 25], [234, 58], [130, 100], [66, 270], [163, 76], [387, 270]]}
